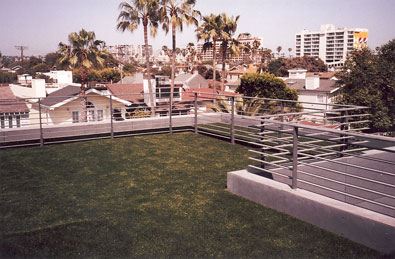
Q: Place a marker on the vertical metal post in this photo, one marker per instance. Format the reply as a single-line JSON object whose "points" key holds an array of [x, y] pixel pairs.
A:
{"points": [[196, 115], [346, 128], [281, 118], [295, 158], [232, 121], [342, 128], [111, 118], [41, 124], [171, 114], [262, 127]]}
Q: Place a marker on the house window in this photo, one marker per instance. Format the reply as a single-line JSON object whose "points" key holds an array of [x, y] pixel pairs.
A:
{"points": [[18, 121], [91, 115], [117, 114], [2, 122], [10, 121], [76, 117], [99, 115], [320, 98]]}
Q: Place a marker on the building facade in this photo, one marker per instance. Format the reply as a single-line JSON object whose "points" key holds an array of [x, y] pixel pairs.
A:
{"points": [[123, 53], [242, 57], [330, 44]]}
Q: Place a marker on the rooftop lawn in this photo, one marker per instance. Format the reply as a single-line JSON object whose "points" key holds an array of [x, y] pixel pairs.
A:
{"points": [[146, 196]]}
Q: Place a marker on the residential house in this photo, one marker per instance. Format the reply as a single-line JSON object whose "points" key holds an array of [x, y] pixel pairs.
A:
{"points": [[133, 93], [14, 112], [317, 92], [65, 106], [192, 81], [234, 75]]}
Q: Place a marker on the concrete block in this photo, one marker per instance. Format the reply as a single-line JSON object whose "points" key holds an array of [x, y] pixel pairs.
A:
{"points": [[363, 226]]}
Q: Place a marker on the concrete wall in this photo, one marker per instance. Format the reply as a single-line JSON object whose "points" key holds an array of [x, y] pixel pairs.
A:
{"points": [[360, 225], [361, 184]]}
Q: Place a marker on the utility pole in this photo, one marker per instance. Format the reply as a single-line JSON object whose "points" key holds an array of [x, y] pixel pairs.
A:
{"points": [[21, 48]]}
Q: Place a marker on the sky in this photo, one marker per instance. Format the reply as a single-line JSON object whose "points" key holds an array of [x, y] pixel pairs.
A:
{"points": [[42, 24]]}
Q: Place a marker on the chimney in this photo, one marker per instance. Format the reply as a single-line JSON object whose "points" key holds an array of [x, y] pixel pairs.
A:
{"points": [[312, 82], [38, 88]]}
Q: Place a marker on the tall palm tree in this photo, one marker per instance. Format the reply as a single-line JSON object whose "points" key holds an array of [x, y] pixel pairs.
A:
{"points": [[174, 14], [191, 54], [131, 15], [289, 50], [211, 31], [255, 49], [229, 27], [83, 52], [279, 48]]}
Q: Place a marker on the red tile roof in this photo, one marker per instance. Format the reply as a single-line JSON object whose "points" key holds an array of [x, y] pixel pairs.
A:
{"points": [[9, 103], [124, 91]]}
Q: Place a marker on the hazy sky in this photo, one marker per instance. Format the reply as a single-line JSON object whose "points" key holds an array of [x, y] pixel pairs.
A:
{"points": [[42, 24]]}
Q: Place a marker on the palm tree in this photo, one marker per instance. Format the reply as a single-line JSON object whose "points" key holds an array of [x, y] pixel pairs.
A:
{"points": [[211, 31], [83, 52], [289, 50], [255, 49], [131, 15], [175, 13], [229, 27], [191, 54], [279, 48]]}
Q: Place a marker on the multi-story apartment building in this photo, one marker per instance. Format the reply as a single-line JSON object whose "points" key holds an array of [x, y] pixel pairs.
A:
{"points": [[123, 53], [330, 44], [243, 55]]}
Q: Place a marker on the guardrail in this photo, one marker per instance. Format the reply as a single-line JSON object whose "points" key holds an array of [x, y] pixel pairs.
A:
{"points": [[352, 167], [100, 115]]}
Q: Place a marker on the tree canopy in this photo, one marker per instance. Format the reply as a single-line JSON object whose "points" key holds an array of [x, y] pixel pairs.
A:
{"points": [[280, 66], [368, 79], [265, 85]]}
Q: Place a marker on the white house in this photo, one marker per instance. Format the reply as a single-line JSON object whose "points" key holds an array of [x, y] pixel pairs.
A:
{"points": [[65, 106], [316, 91]]}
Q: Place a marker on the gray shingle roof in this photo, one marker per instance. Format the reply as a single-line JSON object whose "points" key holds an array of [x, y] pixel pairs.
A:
{"points": [[192, 80], [61, 95], [326, 85]]}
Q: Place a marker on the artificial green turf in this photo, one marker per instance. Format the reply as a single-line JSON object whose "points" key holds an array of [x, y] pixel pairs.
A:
{"points": [[146, 196]]}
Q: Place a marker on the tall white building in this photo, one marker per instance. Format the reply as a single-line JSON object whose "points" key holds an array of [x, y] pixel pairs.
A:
{"points": [[330, 44]]}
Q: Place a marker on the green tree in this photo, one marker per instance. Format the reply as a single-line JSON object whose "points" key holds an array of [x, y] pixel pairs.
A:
{"points": [[369, 80], [311, 64], [7, 77], [42, 67], [278, 67], [165, 71], [83, 52], [209, 75], [211, 31], [265, 85], [130, 68], [147, 13]]}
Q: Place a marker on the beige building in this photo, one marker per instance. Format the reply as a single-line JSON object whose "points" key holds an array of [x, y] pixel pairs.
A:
{"points": [[65, 106]]}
